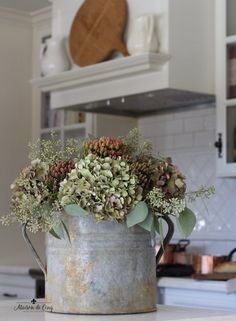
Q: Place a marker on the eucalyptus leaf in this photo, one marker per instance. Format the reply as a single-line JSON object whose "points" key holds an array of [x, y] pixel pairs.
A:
{"points": [[54, 234], [156, 225], [66, 230], [161, 232], [153, 234], [137, 215], [148, 223], [57, 231], [186, 222], [75, 210]]}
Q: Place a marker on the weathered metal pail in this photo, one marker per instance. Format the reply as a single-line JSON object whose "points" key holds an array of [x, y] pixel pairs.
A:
{"points": [[107, 269]]}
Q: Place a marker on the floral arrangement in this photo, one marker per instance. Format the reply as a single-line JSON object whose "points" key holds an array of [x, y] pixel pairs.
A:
{"points": [[110, 178]]}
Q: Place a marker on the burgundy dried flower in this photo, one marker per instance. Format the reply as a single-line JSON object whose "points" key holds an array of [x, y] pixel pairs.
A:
{"points": [[58, 172]]}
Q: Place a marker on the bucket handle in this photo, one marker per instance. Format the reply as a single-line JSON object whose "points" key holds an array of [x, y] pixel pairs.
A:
{"points": [[32, 249], [167, 238]]}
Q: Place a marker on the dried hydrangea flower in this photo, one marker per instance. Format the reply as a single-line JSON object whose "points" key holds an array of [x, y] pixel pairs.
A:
{"points": [[169, 179], [104, 187], [30, 200]]}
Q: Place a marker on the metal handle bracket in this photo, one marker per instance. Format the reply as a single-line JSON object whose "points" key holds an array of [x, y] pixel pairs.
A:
{"points": [[167, 238], [32, 249]]}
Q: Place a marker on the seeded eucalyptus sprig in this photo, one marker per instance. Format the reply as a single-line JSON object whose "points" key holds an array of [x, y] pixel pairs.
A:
{"points": [[203, 192], [53, 150]]}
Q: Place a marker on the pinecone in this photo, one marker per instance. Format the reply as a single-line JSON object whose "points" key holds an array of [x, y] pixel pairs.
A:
{"points": [[169, 179], [58, 172], [106, 146]]}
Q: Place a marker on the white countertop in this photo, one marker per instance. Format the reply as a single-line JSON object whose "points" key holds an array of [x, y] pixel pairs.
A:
{"points": [[164, 313], [17, 270], [191, 284]]}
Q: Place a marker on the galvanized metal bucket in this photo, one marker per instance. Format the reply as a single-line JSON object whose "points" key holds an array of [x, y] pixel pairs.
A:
{"points": [[107, 268]]}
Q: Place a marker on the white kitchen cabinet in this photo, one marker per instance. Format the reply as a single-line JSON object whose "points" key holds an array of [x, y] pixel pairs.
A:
{"points": [[217, 295], [16, 283], [16, 293], [226, 86]]}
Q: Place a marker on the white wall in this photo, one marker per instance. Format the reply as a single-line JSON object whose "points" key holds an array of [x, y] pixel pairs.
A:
{"points": [[15, 125], [188, 137]]}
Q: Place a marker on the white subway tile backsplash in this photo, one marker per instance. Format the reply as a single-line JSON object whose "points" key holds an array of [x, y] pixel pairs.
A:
{"points": [[210, 122], [205, 138], [195, 112], [174, 126], [183, 141], [153, 119], [188, 137], [194, 124], [163, 143]]}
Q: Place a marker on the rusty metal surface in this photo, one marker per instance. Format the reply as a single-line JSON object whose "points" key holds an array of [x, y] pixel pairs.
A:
{"points": [[107, 269]]}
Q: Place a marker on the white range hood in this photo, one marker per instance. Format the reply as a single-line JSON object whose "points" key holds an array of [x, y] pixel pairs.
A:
{"points": [[180, 75]]}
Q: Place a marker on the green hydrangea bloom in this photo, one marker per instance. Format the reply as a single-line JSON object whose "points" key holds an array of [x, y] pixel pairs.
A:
{"points": [[104, 187]]}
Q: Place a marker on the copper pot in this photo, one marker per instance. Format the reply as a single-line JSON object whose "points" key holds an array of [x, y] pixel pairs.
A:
{"points": [[205, 264], [180, 254], [175, 253]]}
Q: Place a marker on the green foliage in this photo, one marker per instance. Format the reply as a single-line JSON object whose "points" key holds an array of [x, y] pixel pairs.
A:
{"points": [[161, 232], [132, 141], [75, 210], [204, 192], [52, 150], [148, 224], [134, 147], [57, 231], [60, 231], [186, 222], [138, 214], [66, 231]]}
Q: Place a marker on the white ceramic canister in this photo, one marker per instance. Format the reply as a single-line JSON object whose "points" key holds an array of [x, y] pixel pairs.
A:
{"points": [[53, 57], [143, 35]]}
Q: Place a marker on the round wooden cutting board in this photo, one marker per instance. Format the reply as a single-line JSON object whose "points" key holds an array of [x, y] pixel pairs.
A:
{"points": [[97, 31]]}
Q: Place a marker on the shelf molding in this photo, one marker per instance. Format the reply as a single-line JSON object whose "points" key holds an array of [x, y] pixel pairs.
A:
{"points": [[125, 66], [84, 79]]}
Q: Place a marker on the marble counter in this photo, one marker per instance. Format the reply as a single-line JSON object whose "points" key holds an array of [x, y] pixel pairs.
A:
{"points": [[220, 295], [199, 285], [164, 313]]}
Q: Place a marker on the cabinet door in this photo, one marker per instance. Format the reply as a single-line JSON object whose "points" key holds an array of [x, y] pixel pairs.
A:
{"points": [[226, 86], [16, 293], [230, 17], [227, 137], [231, 135]]}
